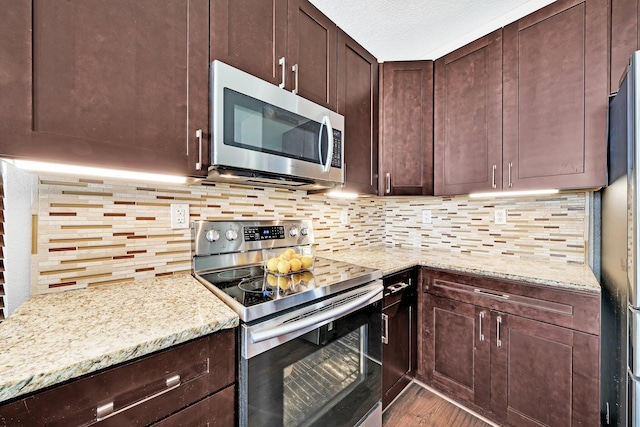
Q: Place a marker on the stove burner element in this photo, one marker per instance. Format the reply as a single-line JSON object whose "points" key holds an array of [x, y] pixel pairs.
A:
{"points": [[240, 273], [252, 285]]}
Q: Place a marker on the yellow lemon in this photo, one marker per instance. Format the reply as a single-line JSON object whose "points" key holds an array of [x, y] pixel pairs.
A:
{"points": [[290, 251], [307, 261], [295, 264], [307, 276], [272, 280], [284, 283], [285, 256], [283, 266], [272, 264], [296, 278]]}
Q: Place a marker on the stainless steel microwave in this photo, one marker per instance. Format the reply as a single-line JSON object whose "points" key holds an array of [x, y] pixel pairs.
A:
{"points": [[264, 135]]}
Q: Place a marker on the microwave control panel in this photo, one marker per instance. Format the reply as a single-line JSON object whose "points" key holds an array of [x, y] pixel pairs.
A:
{"points": [[336, 160]]}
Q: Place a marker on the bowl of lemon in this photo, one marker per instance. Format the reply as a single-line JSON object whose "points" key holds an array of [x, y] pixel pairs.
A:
{"points": [[288, 261]]}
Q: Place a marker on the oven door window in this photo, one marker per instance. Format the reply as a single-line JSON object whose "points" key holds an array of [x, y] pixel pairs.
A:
{"points": [[328, 377], [258, 126]]}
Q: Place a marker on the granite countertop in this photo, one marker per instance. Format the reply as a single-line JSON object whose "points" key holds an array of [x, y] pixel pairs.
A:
{"points": [[55, 337], [394, 259]]}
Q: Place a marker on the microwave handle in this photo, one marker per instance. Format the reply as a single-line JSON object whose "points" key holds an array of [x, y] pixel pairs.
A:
{"points": [[326, 122]]}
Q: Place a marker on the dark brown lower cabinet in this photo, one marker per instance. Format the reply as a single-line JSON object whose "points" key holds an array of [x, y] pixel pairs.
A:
{"points": [[191, 384], [214, 411], [519, 370], [399, 349]]}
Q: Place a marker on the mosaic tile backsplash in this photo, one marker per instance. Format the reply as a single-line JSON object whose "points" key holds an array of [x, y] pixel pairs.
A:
{"points": [[91, 232]]}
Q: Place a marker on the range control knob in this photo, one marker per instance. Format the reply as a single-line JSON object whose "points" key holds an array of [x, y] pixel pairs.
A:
{"points": [[293, 232], [304, 231], [231, 234], [212, 235]]}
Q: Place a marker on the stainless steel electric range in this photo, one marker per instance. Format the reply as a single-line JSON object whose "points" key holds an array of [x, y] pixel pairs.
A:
{"points": [[310, 338]]}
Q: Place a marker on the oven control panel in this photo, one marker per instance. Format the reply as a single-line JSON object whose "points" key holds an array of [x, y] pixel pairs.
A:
{"points": [[220, 237], [255, 234]]}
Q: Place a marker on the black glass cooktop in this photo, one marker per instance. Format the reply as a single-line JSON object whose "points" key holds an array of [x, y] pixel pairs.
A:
{"points": [[254, 293]]}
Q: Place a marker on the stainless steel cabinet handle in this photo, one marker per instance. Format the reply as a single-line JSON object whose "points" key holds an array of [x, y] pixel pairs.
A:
{"points": [[510, 183], [199, 136], [388, 179], [489, 294], [385, 336], [105, 411], [481, 319], [498, 323], [493, 176], [398, 287], [283, 64], [295, 78]]}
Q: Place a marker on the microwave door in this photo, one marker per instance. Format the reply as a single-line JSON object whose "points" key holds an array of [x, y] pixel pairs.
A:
{"points": [[258, 126]]}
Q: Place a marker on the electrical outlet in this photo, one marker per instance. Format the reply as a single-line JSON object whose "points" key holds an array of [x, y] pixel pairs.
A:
{"points": [[179, 216], [426, 216], [500, 216], [344, 217]]}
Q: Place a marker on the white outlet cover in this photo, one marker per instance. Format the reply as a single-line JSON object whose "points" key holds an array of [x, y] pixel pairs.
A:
{"points": [[500, 216], [179, 216], [344, 217], [426, 216]]}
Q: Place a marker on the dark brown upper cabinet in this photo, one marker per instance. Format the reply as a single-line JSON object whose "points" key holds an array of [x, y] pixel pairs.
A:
{"points": [[119, 84], [468, 118], [251, 35], [311, 53], [288, 43], [555, 92], [406, 147], [625, 38], [358, 102]]}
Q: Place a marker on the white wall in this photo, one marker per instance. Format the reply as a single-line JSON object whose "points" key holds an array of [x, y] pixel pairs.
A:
{"points": [[19, 187]]}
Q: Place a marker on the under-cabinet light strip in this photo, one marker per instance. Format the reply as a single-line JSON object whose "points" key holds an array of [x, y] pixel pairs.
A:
{"points": [[99, 172], [513, 193]]}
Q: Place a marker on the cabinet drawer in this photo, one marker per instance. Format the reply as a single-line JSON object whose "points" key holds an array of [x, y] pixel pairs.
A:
{"points": [[572, 309], [135, 393], [214, 411]]}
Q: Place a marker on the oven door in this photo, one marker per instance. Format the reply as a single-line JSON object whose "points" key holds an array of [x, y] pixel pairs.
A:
{"points": [[329, 374]]}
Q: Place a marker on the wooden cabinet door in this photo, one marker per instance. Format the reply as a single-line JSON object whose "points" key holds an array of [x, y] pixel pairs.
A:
{"points": [[456, 349], [311, 53], [15, 75], [468, 118], [406, 149], [118, 84], [543, 374], [251, 35], [217, 410], [358, 103], [625, 38], [555, 97]]}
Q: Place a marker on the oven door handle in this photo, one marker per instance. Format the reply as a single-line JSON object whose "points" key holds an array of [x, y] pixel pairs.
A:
{"points": [[316, 319]]}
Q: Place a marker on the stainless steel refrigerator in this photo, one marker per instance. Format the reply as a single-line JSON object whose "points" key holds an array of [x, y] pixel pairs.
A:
{"points": [[620, 246]]}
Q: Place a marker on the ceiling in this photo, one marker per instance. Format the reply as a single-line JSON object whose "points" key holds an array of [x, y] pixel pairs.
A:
{"points": [[396, 30]]}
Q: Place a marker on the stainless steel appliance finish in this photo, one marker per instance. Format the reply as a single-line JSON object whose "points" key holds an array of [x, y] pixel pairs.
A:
{"points": [[310, 346], [263, 135], [238, 247], [620, 372]]}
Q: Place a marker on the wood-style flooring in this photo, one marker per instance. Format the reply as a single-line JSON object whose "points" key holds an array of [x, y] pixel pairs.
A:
{"points": [[417, 406]]}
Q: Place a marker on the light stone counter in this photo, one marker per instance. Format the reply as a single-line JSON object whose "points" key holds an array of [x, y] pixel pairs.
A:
{"points": [[394, 259], [52, 338]]}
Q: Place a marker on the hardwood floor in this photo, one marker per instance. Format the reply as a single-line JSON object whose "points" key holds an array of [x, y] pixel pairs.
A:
{"points": [[417, 406]]}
